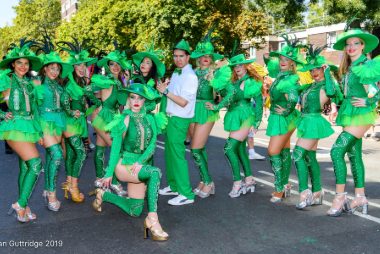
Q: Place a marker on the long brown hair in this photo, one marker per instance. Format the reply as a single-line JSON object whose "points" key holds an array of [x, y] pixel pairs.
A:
{"points": [[250, 71], [42, 73], [346, 62]]}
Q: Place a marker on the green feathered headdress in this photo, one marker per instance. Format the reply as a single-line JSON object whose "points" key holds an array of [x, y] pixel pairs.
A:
{"points": [[290, 50], [314, 59], [23, 50], [118, 56], [205, 47], [78, 52]]}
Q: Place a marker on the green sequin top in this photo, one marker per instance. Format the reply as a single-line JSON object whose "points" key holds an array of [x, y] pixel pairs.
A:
{"points": [[285, 83], [52, 97], [205, 90], [135, 142]]}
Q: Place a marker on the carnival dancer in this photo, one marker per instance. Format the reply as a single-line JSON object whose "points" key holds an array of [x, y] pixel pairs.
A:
{"points": [[282, 120], [356, 115], [76, 117], [20, 127], [110, 86], [51, 104], [181, 96], [312, 126], [237, 93], [204, 119], [134, 135]]}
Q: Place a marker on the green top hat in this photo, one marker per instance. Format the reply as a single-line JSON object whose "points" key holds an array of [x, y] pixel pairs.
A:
{"points": [[53, 57], [290, 50], [240, 59], [183, 45], [315, 60], [154, 55], [117, 57], [22, 51], [205, 47], [77, 53]]}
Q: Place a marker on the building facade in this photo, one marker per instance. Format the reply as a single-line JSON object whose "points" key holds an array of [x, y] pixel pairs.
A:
{"points": [[68, 8]]}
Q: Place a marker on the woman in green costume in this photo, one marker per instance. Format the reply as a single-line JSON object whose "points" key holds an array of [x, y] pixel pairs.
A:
{"points": [[312, 126], [237, 93], [356, 115], [111, 97], [134, 135], [19, 126], [51, 106], [282, 120], [204, 119], [76, 117]]}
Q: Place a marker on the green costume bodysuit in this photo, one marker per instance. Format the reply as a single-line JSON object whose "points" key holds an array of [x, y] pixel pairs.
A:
{"points": [[134, 143]]}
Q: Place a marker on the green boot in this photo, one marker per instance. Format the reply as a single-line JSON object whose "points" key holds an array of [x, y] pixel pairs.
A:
{"points": [[231, 150], [35, 166]]}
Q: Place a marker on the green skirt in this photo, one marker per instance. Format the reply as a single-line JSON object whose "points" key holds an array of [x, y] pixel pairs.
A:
{"points": [[53, 123], [280, 125], [313, 126], [77, 126], [202, 115], [20, 128], [104, 117], [239, 117], [348, 115]]}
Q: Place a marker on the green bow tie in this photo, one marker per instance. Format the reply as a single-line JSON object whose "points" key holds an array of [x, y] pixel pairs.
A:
{"points": [[178, 70]]}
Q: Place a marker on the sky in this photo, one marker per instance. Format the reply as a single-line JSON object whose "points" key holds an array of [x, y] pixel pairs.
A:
{"points": [[6, 12]]}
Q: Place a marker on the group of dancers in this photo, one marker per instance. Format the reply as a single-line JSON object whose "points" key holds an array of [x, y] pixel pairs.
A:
{"points": [[129, 108]]}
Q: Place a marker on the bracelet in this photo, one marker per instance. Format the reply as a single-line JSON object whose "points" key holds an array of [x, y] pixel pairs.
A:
{"points": [[165, 93]]}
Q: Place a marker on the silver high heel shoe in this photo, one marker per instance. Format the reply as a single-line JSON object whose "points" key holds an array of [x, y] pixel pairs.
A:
{"points": [[203, 194], [250, 186], [16, 208], [343, 205], [359, 203], [305, 199], [237, 189], [317, 198], [199, 187], [54, 205]]}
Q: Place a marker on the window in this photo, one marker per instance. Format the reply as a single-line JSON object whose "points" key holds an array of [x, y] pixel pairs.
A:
{"points": [[282, 44], [330, 39]]}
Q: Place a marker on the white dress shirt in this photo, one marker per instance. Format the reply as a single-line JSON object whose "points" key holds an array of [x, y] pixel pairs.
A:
{"points": [[185, 86]]}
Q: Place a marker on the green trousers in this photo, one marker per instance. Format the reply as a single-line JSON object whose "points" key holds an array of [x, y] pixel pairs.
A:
{"points": [[307, 164], [236, 152], [200, 158], [75, 156], [54, 157], [34, 167], [177, 170], [314, 170]]}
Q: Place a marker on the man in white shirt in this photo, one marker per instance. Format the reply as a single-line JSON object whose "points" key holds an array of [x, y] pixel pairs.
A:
{"points": [[181, 96]]}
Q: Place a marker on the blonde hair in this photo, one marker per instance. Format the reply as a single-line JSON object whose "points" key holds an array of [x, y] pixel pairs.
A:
{"points": [[210, 75], [346, 62], [251, 72]]}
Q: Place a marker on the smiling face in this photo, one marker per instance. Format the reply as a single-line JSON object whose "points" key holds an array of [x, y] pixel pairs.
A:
{"points": [[240, 70], [146, 66], [136, 102], [52, 71], [21, 66], [80, 70], [354, 47], [317, 74], [181, 59], [205, 61], [114, 68], [286, 64]]}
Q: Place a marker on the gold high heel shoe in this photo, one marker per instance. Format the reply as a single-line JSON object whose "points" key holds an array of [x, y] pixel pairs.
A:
{"points": [[157, 234], [97, 203], [76, 196], [359, 203], [21, 215]]}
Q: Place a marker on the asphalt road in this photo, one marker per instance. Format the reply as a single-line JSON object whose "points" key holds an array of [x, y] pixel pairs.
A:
{"points": [[218, 224]]}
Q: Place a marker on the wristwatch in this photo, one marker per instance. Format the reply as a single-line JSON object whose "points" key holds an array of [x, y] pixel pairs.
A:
{"points": [[165, 93]]}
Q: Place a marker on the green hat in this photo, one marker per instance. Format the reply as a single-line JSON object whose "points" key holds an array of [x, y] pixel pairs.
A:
{"points": [[22, 51], [183, 45], [77, 54], [53, 57], [143, 90], [315, 60], [240, 59], [117, 57], [290, 50], [370, 40], [152, 54], [205, 47]]}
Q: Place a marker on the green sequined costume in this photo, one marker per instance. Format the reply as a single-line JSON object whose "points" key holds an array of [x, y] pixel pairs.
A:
{"points": [[134, 143], [349, 115], [24, 127], [240, 114]]}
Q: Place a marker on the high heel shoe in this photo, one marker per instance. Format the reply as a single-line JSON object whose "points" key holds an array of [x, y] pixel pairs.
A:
{"points": [[211, 191], [250, 186], [288, 190], [317, 198], [118, 189], [97, 203], [341, 204], [199, 188], [52, 205], [277, 196], [305, 199], [359, 203], [75, 194], [157, 234], [20, 212], [237, 189], [31, 216]]}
